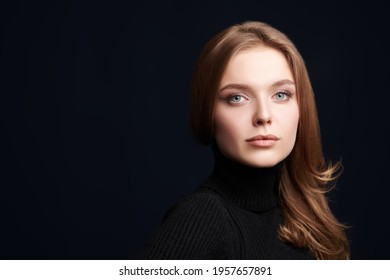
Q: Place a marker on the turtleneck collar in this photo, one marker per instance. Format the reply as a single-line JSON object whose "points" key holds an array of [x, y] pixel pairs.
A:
{"points": [[251, 188]]}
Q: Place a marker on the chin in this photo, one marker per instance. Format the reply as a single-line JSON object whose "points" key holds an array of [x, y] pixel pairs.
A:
{"points": [[261, 163], [263, 158]]}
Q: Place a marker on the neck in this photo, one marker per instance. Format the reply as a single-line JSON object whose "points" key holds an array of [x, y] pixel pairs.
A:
{"points": [[251, 188]]}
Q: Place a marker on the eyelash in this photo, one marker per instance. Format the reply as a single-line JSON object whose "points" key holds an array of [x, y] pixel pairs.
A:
{"points": [[228, 99], [286, 92]]}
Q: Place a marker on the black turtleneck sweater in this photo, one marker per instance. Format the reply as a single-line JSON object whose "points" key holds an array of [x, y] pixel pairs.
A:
{"points": [[234, 214]]}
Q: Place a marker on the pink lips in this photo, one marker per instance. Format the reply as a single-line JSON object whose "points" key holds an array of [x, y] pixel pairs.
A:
{"points": [[263, 140]]}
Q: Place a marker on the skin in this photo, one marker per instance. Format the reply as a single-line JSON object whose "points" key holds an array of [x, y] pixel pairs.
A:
{"points": [[257, 96]]}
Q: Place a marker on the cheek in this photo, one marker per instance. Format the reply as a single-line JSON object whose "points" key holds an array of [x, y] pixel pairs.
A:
{"points": [[291, 127], [228, 126], [223, 128]]}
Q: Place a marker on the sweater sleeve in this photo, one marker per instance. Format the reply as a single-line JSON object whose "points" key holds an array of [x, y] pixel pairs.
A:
{"points": [[196, 228]]}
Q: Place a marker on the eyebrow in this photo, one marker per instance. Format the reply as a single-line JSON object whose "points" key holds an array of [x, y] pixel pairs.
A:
{"points": [[244, 86]]}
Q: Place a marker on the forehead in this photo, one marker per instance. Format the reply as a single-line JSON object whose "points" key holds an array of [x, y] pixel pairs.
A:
{"points": [[257, 66]]}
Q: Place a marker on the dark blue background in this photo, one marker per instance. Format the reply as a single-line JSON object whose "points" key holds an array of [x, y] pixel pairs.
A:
{"points": [[95, 142]]}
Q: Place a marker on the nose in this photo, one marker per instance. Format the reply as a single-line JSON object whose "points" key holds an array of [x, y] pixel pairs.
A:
{"points": [[262, 115]]}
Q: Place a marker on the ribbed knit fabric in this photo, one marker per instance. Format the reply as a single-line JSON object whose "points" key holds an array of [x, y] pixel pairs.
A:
{"points": [[234, 214]]}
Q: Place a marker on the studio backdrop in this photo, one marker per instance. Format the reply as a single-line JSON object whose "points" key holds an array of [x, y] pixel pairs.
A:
{"points": [[95, 141]]}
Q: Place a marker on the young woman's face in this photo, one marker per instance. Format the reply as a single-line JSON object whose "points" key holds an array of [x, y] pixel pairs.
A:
{"points": [[256, 110]]}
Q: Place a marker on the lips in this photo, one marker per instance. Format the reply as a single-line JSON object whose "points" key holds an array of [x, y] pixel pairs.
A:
{"points": [[263, 137]]}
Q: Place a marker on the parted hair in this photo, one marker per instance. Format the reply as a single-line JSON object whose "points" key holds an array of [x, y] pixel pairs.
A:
{"points": [[305, 177]]}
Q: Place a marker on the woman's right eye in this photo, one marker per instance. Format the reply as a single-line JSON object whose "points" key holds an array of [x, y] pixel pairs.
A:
{"points": [[236, 99]]}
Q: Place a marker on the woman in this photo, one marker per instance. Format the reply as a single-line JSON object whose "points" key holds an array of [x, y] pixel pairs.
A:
{"points": [[265, 199]]}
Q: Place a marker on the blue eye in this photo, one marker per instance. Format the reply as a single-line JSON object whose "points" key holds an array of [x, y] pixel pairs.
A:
{"points": [[282, 95], [235, 98]]}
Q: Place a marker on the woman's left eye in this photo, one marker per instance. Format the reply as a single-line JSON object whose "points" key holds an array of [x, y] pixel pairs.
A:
{"points": [[282, 95]]}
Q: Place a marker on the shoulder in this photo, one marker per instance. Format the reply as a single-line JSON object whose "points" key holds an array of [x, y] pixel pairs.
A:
{"points": [[204, 208], [203, 204], [197, 227]]}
